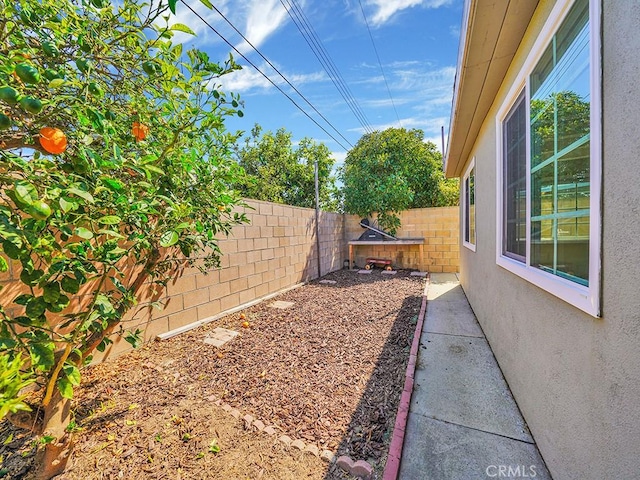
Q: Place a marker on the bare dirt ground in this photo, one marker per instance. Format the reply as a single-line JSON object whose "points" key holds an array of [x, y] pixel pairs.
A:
{"points": [[328, 370]]}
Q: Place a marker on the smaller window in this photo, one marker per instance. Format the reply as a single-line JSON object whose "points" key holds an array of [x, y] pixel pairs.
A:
{"points": [[469, 206]]}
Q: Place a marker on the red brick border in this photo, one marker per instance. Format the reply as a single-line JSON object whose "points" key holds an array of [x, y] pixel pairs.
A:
{"points": [[392, 467]]}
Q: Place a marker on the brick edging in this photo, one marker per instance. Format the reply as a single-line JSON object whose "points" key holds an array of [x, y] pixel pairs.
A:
{"points": [[392, 467], [253, 424]]}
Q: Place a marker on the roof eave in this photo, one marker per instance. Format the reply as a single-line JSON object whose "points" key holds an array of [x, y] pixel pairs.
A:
{"points": [[491, 33]]}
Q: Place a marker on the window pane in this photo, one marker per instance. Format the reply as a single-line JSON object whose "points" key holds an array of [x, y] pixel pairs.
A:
{"points": [[543, 245], [472, 206], [560, 151], [515, 182], [542, 191], [466, 209], [573, 205]]}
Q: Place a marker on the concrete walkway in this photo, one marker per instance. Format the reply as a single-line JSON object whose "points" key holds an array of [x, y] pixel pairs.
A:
{"points": [[463, 423]]}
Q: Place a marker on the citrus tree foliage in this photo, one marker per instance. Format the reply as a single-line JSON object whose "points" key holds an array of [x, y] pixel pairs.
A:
{"points": [[141, 189], [276, 171], [393, 170]]}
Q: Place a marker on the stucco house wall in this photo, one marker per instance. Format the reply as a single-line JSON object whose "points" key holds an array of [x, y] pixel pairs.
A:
{"points": [[575, 377]]}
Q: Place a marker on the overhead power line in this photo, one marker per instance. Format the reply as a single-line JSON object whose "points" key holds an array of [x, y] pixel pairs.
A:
{"points": [[379, 62], [311, 37], [269, 79]]}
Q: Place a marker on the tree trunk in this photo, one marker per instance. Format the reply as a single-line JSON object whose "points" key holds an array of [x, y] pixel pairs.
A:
{"points": [[51, 458]]}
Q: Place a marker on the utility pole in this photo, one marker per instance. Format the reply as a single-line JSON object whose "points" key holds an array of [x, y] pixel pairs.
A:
{"points": [[315, 164]]}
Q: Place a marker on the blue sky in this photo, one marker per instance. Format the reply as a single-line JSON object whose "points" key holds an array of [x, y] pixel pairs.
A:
{"points": [[416, 40]]}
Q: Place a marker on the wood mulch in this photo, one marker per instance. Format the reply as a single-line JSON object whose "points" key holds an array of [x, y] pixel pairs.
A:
{"points": [[328, 370]]}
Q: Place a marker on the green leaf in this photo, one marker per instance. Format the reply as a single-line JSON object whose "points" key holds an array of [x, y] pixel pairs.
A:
{"points": [[81, 193], [30, 277], [72, 373], [172, 6], [60, 304], [36, 307], [57, 83], [4, 266], [84, 233], [104, 305], [23, 299], [65, 387], [154, 169], [103, 344], [51, 292], [180, 27], [25, 193], [214, 447], [110, 233], [207, 4], [67, 205], [42, 355], [109, 220], [112, 183], [134, 338], [168, 239], [70, 285], [13, 248]]}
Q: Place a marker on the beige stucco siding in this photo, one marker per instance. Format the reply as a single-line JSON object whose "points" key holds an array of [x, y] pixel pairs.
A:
{"points": [[576, 378]]}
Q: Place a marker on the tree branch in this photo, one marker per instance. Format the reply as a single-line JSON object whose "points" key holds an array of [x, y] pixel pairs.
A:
{"points": [[21, 141]]}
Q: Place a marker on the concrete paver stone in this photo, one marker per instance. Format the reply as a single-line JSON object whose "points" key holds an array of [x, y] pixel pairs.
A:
{"points": [[457, 380], [443, 451], [281, 304], [449, 311], [219, 336]]}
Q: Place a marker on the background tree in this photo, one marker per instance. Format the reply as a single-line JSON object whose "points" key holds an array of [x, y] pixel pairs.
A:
{"points": [[276, 171], [393, 170], [115, 172]]}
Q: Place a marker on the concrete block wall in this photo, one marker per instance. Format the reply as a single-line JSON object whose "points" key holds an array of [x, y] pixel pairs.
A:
{"points": [[274, 251], [438, 226]]}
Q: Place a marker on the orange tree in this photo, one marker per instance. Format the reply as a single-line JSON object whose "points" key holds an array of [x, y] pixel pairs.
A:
{"points": [[393, 170], [115, 172]]}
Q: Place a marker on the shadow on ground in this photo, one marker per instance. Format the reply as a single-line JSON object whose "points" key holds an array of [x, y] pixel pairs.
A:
{"points": [[371, 427]]}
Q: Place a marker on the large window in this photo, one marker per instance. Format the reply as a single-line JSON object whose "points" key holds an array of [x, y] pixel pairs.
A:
{"points": [[549, 165], [469, 206], [514, 151]]}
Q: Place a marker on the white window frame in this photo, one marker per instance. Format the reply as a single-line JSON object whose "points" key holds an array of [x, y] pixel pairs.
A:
{"points": [[470, 245], [585, 298]]}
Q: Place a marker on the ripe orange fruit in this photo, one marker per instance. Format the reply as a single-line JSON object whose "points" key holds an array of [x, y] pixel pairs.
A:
{"points": [[139, 131], [245, 325], [243, 316], [53, 140]]}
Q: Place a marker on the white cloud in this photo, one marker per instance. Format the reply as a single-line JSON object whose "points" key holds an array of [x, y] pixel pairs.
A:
{"points": [[385, 9], [256, 19], [249, 80], [404, 79], [339, 157], [263, 18], [385, 102]]}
